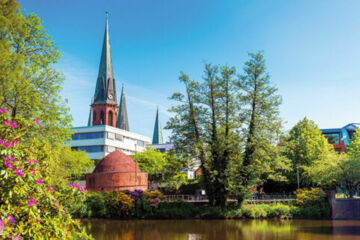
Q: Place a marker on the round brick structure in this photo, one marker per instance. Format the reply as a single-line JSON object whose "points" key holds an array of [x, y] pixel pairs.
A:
{"points": [[117, 172]]}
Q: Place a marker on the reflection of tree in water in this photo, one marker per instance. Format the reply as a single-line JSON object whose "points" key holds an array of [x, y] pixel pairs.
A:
{"points": [[209, 229]]}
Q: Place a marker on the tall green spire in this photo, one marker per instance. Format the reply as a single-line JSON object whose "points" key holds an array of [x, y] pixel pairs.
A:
{"points": [[105, 91], [122, 121], [90, 117], [157, 137]]}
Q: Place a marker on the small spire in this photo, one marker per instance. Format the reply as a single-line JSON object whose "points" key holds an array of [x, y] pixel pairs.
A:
{"points": [[157, 137], [122, 121], [90, 121]]}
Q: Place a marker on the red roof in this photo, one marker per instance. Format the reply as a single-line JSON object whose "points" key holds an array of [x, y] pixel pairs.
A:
{"points": [[116, 162]]}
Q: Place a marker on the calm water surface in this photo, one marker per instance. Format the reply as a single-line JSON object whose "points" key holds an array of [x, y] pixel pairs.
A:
{"points": [[222, 229]]}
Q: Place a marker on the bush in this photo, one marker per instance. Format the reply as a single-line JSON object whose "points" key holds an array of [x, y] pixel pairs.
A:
{"points": [[29, 207], [310, 197]]}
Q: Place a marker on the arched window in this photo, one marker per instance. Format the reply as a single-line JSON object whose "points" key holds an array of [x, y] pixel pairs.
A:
{"points": [[110, 118], [102, 118], [94, 117]]}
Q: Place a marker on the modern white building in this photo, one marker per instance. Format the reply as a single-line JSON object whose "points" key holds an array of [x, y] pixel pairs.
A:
{"points": [[100, 140]]}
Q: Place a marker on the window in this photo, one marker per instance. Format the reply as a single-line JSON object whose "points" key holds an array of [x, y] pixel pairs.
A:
{"points": [[118, 137], [110, 135], [102, 118], [91, 149], [333, 138], [84, 136], [140, 143], [110, 149], [110, 118], [94, 117]]}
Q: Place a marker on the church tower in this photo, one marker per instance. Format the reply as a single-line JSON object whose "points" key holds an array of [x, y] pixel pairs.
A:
{"points": [[104, 108]]}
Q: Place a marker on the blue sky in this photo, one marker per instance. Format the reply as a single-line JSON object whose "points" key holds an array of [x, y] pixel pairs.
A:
{"points": [[311, 50]]}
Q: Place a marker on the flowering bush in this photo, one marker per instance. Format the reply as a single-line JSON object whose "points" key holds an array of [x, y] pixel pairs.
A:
{"points": [[153, 194], [29, 207]]}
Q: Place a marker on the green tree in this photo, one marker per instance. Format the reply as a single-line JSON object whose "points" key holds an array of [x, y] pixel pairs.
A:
{"points": [[207, 124], [69, 165], [29, 84], [339, 170], [166, 167], [304, 145]]}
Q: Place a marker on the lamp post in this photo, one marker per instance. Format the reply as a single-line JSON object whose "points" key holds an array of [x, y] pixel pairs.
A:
{"points": [[297, 173]]}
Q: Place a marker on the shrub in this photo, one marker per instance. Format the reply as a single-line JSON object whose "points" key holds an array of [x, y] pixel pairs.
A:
{"points": [[153, 194], [29, 207], [310, 197]]}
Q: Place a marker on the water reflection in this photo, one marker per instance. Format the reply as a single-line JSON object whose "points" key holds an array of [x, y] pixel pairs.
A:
{"points": [[222, 229]]}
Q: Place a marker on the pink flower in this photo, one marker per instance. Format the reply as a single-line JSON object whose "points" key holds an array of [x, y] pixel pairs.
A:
{"points": [[6, 144], [36, 121], [1, 225], [83, 189], [56, 205], [50, 189], [39, 181], [8, 165], [19, 172], [32, 202], [16, 237], [3, 110], [78, 220], [11, 219], [64, 211], [10, 124], [9, 158], [32, 171], [38, 220]]}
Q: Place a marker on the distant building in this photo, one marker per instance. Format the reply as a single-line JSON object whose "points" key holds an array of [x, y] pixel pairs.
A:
{"points": [[340, 137], [108, 127]]}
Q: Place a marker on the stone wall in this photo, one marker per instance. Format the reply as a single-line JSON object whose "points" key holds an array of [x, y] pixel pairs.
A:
{"points": [[344, 208], [117, 181]]}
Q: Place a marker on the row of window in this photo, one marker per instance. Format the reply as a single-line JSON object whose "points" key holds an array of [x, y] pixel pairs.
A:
{"points": [[109, 135], [101, 148]]}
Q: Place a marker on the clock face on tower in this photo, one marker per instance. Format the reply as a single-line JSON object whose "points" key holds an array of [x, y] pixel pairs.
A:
{"points": [[110, 97]]}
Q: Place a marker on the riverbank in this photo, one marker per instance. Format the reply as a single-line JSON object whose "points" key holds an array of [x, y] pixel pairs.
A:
{"points": [[152, 205]]}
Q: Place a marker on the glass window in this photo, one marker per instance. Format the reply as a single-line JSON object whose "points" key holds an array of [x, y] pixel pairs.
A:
{"points": [[84, 136], [110, 135], [118, 137], [333, 138], [110, 149], [91, 149], [140, 143]]}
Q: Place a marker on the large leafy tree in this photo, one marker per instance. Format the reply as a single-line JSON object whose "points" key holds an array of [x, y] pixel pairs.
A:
{"points": [[165, 167], [262, 124], [29, 84], [304, 145], [207, 123], [339, 170]]}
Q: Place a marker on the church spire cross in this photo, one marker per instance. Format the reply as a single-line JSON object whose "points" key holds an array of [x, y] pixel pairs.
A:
{"points": [[157, 137]]}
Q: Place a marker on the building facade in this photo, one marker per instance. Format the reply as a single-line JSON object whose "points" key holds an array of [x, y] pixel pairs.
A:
{"points": [[340, 137]]}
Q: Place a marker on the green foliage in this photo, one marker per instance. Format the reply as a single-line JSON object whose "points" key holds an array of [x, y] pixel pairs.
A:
{"points": [[163, 167], [68, 165], [29, 84], [29, 207], [305, 146], [310, 197], [207, 121], [342, 170]]}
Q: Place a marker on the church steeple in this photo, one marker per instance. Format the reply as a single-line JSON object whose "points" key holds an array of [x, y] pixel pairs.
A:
{"points": [[123, 121], [157, 137], [104, 106], [105, 85]]}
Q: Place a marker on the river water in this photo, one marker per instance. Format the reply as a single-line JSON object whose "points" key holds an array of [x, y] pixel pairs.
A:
{"points": [[222, 229]]}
